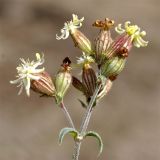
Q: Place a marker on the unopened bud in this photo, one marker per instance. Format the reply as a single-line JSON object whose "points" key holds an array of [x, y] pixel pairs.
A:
{"points": [[113, 66], [81, 41], [105, 89], [44, 85], [63, 80]]}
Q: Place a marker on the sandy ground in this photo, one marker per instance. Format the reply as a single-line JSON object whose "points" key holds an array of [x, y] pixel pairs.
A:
{"points": [[127, 119]]}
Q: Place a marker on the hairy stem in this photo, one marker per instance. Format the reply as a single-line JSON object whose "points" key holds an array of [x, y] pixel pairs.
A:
{"points": [[67, 115], [77, 147], [85, 122]]}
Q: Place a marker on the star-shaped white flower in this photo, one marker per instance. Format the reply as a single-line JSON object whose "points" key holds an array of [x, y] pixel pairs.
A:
{"points": [[134, 32], [28, 71], [70, 26]]}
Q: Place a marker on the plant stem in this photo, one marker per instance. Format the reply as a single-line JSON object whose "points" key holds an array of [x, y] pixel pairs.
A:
{"points": [[77, 144], [85, 122], [77, 147], [88, 113], [67, 115]]}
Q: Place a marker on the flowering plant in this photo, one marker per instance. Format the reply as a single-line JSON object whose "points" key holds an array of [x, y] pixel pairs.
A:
{"points": [[108, 54]]}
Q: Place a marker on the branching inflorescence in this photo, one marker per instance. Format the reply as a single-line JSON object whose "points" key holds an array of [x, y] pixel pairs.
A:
{"points": [[108, 54]]}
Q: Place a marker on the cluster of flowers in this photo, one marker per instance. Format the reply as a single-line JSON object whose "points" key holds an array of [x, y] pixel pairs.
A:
{"points": [[109, 55]]}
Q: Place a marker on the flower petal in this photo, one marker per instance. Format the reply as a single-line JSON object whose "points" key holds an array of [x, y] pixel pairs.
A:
{"points": [[16, 81], [33, 77], [21, 89], [27, 84], [28, 71], [70, 26], [134, 32]]}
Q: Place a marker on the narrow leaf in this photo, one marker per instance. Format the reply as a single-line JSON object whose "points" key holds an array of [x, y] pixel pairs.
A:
{"points": [[65, 131], [79, 85], [98, 137], [82, 103]]}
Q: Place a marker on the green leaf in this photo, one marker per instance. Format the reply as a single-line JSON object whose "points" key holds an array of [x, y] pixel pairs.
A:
{"points": [[82, 103], [65, 131], [98, 137], [78, 84]]}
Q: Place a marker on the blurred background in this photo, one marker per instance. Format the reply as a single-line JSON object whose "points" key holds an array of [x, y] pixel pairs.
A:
{"points": [[127, 119]]}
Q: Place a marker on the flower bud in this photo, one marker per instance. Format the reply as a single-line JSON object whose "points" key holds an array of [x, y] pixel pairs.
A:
{"points": [[43, 85], [81, 41], [103, 40], [105, 89], [63, 80], [113, 66]]}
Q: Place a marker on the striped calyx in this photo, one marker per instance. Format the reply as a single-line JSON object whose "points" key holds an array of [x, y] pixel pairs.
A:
{"points": [[88, 84], [44, 85], [113, 66], [89, 79], [107, 85], [63, 80], [81, 41], [103, 40], [123, 41]]}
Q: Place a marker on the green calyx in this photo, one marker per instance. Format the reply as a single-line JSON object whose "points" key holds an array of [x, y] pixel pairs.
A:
{"points": [[113, 66], [62, 83], [82, 42]]}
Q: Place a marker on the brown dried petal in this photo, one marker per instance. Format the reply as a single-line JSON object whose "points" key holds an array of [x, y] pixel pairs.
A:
{"points": [[105, 25]]}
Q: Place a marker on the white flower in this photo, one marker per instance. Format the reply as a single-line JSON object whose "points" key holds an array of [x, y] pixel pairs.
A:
{"points": [[84, 59], [27, 71], [134, 32], [70, 26]]}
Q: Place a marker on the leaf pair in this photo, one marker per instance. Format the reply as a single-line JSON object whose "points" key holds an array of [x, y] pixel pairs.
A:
{"points": [[78, 137]]}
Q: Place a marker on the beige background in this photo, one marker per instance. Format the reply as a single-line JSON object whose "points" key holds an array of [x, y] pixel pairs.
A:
{"points": [[127, 119]]}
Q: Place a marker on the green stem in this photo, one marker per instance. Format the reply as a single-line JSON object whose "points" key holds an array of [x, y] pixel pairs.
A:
{"points": [[77, 147], [67, 115], [88, 113], [85, 122]]}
